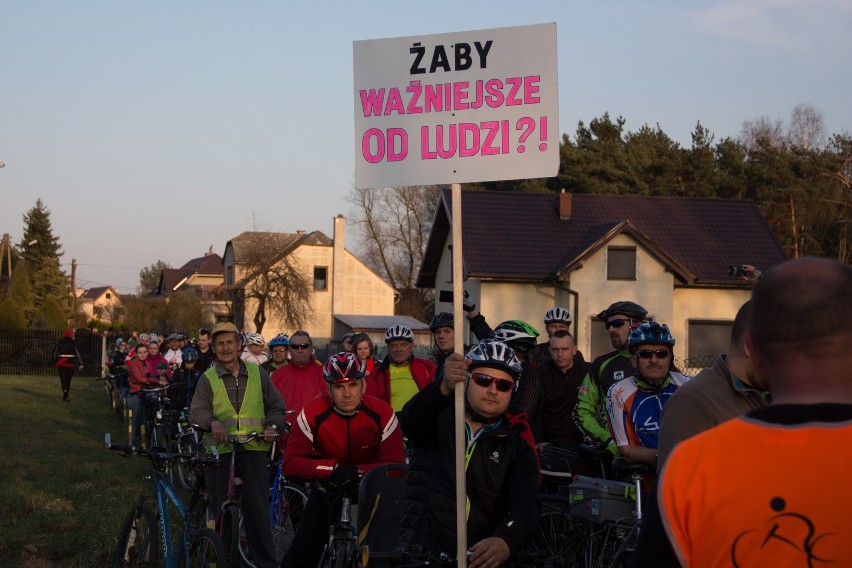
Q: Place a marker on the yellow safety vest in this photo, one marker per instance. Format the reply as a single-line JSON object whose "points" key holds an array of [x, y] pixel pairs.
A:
{"points": [[250, 418]]}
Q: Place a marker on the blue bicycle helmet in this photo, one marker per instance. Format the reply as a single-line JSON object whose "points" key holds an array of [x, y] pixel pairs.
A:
{"points": [[280, 340], [651, 333], [189, 354]]}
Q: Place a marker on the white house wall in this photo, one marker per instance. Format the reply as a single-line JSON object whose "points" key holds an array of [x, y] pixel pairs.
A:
{"points": [[703, 304]]}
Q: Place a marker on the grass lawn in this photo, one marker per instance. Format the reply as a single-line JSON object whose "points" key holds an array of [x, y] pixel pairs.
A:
{"points": [[63, 495]]}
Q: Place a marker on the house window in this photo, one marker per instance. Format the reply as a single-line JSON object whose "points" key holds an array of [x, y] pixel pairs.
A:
{"points": [[229, 275], [108, 296], [621, 263], [320, 278], [707, 339]]}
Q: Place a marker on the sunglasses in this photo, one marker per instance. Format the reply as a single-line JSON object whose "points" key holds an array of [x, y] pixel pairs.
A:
{"points": [[616, 323], [298, 346], [648, 353], [485, 381]]}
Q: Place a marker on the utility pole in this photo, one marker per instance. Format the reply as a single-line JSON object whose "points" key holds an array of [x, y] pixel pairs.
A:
{"points": [[73, 286], [6, 250]]}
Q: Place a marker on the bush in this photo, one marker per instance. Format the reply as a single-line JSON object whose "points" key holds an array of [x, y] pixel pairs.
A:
{"points": [[11, 315]]}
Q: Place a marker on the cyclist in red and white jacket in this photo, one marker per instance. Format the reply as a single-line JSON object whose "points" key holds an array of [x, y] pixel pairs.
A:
{"points": [[338, 436]]}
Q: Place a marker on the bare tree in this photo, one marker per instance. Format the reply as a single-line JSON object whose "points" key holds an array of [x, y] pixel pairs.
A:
{"points": [[762, 130], [279, 285], [393, 225], [807, 127]]}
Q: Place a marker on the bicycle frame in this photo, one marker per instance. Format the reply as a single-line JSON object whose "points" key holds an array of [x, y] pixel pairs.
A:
{"points": [[163, 493]]}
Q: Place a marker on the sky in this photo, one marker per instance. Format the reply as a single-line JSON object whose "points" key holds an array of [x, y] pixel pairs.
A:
{"points": [[155, 130]]}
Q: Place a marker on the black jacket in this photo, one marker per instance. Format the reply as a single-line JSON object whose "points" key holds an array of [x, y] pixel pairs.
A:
{"points": [[554, 420], [502, 477]]}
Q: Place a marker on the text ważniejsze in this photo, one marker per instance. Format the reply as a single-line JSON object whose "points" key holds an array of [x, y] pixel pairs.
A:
{"points": [[462, 139]]}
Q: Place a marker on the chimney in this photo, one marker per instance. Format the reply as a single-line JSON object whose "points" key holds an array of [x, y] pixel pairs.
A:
{"points": [[337, 270], [300, 232], [564, 206]]}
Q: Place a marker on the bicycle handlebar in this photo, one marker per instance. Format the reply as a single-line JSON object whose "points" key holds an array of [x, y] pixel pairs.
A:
{"points": [[159, 456]]}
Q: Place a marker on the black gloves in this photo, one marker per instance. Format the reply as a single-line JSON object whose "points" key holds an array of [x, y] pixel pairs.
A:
{"points": [[344, 474], [467, 303]]}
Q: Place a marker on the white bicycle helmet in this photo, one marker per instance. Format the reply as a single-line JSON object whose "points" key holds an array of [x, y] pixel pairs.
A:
{"points": [[494, 354], [557, 315], [399, 332], [255, 339]]}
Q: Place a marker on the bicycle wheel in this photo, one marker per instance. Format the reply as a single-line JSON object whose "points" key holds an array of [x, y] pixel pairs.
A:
{"points": [[344, 551], [137, 542], [186, 474], [285, 511], [559, 534], [206, 550], [231, 535]]}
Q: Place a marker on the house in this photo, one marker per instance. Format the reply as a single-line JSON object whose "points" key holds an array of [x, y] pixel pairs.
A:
{"points": [[204, 276], [101, 303], [340, 284], [524, 253]]}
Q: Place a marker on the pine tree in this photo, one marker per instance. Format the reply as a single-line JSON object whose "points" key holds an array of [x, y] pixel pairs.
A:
{"points": [[41, 250]]}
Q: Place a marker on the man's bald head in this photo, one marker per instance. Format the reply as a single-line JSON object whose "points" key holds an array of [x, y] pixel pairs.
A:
{"points": [[800, 304]]}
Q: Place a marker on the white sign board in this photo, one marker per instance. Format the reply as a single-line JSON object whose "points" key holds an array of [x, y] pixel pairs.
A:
{"points": [[458, 107]]}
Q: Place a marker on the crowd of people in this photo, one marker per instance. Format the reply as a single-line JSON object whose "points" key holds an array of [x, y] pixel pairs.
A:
{"points": [[522, 398]]}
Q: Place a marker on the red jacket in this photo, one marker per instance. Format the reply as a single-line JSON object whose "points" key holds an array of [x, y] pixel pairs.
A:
{"points": [[322, 437], [139, 375], [298, 385], [378, 383]]}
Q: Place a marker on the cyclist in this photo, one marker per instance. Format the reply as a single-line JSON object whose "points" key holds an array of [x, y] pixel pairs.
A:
{"points": [[363, 347], [139, 377], [155, 357], [401, 375], [339, 436], [278, 348], [174, 354], [254, 352], [187, 375], [118, 367], [206, 356], [301, 379], [590, 413], [443, 332], [232, 399], [67, 359], [521, 337], [346, 341], [554, 319], [635, 404], [501, 468]]}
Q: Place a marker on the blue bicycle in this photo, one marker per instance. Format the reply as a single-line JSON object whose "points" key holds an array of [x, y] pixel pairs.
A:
{"points": [[138, 544]]}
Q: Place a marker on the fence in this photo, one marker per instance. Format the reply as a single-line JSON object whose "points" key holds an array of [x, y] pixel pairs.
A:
{"points": [[30, 351]]}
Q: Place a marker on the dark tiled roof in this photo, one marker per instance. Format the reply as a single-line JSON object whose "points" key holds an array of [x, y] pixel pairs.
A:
{"points": [[207, 264], [97, 292], [247, 244], [515, 235], [379, 323]]}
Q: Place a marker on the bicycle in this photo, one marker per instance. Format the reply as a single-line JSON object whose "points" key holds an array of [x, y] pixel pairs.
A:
{"points": [[229, 523], [612, 511], [186, 443], [112, 385], [287, 502], [341, 550], [138, 544]]}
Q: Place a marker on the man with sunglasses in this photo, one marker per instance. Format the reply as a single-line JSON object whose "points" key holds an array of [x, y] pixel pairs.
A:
{"points": [[501, 468], [606, 370], [635, 404], [301, 379]]}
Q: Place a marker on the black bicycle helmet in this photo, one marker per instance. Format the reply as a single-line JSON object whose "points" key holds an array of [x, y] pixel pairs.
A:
{"points": [[517, 334], [494, 354], [651, 333], [631, 310], [343, 367], [441, 319], [189, 354]]}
